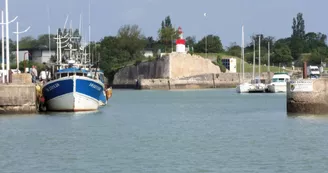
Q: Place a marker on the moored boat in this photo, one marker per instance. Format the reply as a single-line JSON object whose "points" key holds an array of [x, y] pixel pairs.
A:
{"points": [[243, 88], [278, 83], [72, 90]]}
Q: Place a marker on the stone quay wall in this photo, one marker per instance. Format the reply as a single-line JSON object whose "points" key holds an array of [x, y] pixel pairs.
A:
{"points": [[19, 96], [308, 96]]}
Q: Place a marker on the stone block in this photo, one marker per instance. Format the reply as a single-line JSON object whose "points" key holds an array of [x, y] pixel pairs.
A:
{"points": [[17, 98]]}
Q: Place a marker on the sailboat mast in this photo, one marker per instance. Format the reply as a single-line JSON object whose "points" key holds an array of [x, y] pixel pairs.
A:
{"points": [[259, 57], [268, 56], [243, 53], [253, 59]]}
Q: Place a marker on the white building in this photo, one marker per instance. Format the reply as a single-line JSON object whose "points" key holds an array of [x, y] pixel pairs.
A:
{"points": [[230, 64], [148, 53], [36, 55]]}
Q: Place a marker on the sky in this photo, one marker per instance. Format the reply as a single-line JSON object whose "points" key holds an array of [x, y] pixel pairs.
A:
{"points": [[223, 17]]}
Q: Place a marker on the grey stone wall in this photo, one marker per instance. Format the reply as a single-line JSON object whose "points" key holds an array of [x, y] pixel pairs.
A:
{"points": [[17, 98]]}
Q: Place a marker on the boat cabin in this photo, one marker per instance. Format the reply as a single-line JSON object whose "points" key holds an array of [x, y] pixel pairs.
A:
{"points": [[70, 72], [280, 77]]}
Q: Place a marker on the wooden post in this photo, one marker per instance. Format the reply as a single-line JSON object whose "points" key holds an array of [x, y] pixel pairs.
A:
{"points": [[214, 86], [304, 70]]}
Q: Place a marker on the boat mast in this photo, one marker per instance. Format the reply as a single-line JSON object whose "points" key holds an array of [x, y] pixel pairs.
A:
{"points": [[70, 46], [57, 46], [243, 54], [89, 31], [268, 56], [253, 59], [49, 31], [259, 58]]}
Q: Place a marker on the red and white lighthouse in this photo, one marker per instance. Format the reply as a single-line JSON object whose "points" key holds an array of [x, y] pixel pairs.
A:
{"points": [[180, 42]]}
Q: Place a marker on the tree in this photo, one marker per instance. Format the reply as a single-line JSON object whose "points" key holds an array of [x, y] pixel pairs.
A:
{"points": [[234, 49], [214, 45], [281, 54], [313, 41], [27, 42], [132, 40], [298, 36], [167, 34], [150, 42], [190, 41], [286, 41], [43, 41], [112, 56]]}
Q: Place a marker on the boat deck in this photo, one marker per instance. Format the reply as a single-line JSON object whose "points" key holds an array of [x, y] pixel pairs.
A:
{"points": [[256, 88]]}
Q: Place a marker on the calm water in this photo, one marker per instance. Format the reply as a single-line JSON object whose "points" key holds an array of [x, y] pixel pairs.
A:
{"points": [[168, 132]]}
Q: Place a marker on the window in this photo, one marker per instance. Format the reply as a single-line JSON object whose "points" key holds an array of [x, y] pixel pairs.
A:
{"points": [[79, 74], [279, 80]]}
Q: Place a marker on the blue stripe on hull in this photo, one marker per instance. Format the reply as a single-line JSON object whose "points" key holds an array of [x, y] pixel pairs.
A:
{"points": [[57, 88], [89, 88], [102, 98]]}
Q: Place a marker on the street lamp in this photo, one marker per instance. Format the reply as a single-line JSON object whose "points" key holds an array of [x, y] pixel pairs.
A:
{"points": [[17, 42], [3, 46], [7, 37]]}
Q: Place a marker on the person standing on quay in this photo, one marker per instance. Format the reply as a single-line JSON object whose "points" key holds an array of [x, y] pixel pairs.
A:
{"points": [[34, 73]]}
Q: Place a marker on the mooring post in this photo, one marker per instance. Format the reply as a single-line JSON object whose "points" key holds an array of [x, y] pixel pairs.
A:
{"points": [[304, 70]]}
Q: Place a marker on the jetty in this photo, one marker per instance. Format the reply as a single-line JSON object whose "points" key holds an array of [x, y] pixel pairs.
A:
{"points": [[307, 96], [18, 96]]}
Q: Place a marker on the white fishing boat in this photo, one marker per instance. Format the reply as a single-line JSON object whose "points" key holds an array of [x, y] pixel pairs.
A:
{"points": [[279, 83], [72, 88]]}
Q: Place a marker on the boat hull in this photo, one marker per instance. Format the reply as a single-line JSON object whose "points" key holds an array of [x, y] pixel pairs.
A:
{"points": [[257, 88], [277, 88], [102, 99], [74, 93], [243, 88]]}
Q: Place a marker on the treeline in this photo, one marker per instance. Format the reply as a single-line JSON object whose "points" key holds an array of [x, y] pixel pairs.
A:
{"points": [[128, 46], [299, 47]]}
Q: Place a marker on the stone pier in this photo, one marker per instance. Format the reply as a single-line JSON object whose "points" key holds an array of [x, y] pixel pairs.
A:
{"points": [[308, 96], [19, 96]]}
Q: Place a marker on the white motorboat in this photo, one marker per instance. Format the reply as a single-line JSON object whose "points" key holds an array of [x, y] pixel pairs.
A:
{"points": [[278, 83]]}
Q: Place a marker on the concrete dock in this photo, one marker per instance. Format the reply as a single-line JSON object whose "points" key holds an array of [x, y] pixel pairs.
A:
{"points": [[308, 96], [19, 96]]}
